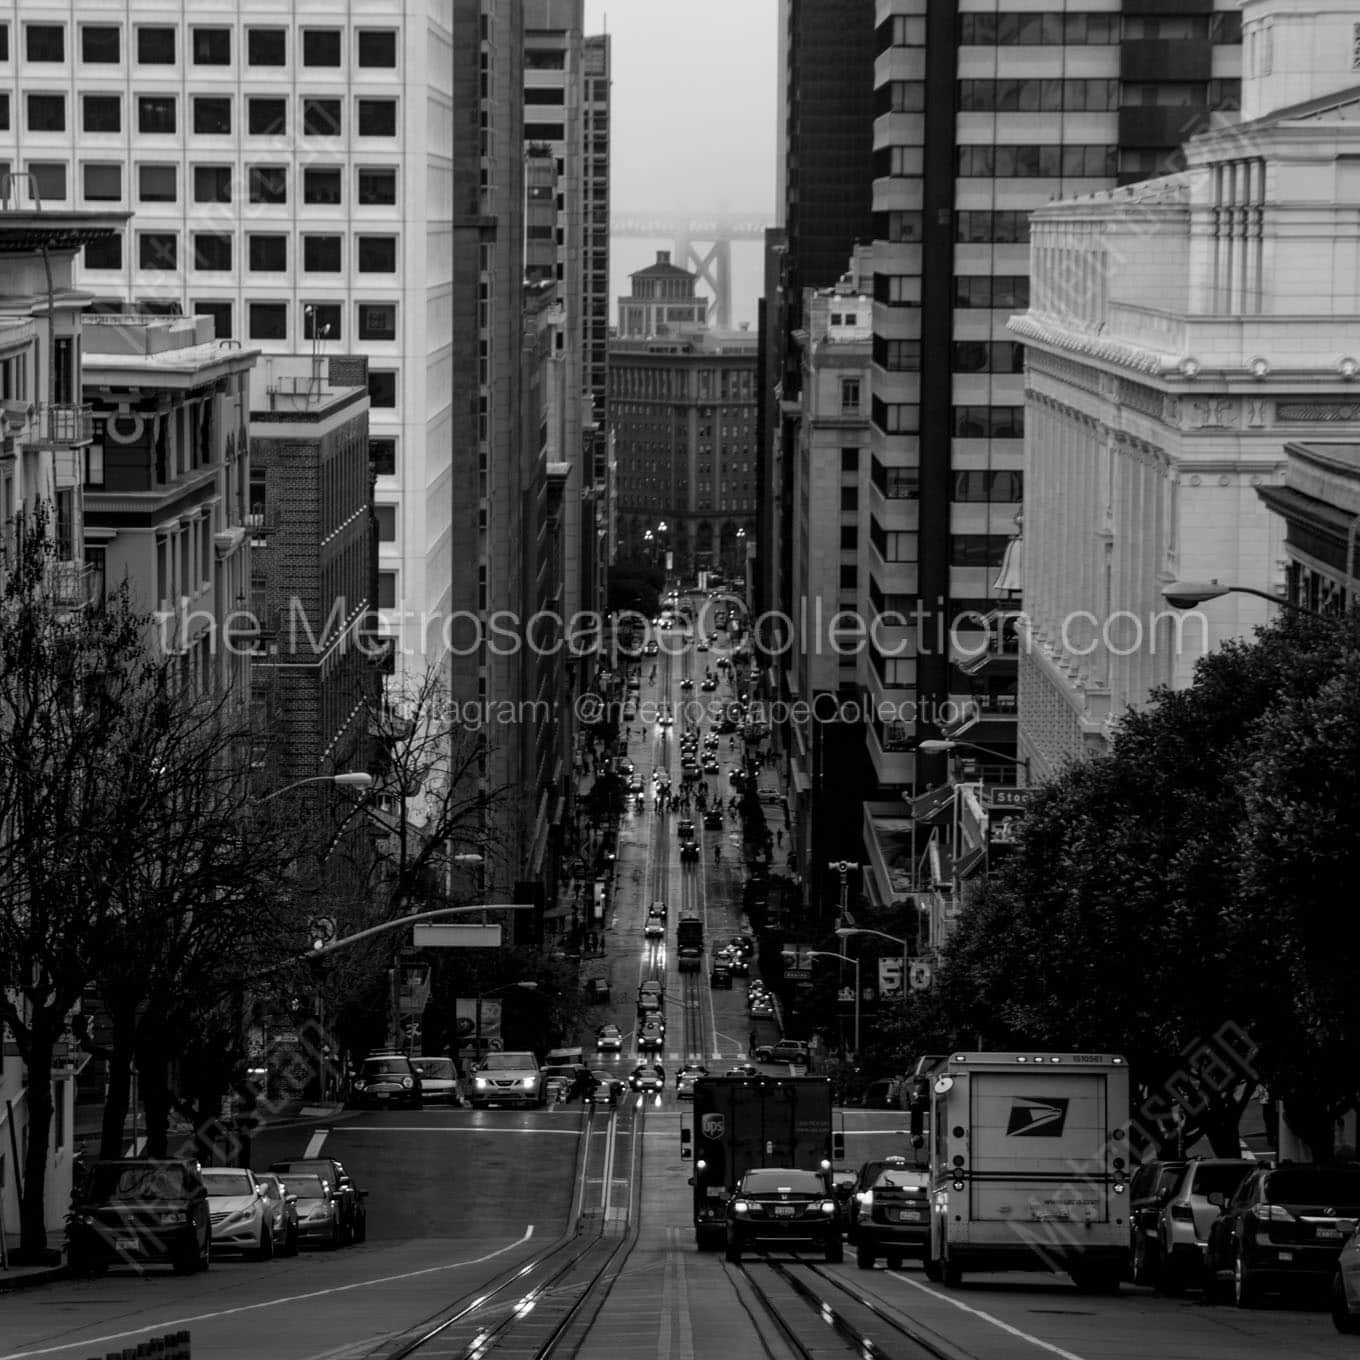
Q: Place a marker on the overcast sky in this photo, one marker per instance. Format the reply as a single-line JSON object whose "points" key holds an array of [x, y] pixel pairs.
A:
{"points": [[693, 119]]}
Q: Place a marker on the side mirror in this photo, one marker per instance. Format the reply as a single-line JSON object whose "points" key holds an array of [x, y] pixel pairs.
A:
{"points": [[290, 1199]]}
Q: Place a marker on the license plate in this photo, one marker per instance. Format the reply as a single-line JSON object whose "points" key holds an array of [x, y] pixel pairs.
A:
{"points": [[125, 1244], [784, 1211], [384, 1095], [1326, 1234], [910, 1215]]}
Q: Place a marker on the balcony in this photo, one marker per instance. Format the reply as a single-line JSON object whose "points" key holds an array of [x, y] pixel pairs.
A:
{"points": [[60, 425], [73, 585]]}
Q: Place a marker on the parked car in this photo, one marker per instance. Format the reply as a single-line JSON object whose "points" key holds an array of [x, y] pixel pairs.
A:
{"points": [[1345, 1299], [783, 1206], [890, 1212], [387, 1079], [508, 1079], [283, 1207], [1149, 1189], [597, 991], [353, 1210], [1283, 1227], [242, 1216], [438, 1081], [319, 1211], [791, 1051], [140, 1212], [1187, 1215]]}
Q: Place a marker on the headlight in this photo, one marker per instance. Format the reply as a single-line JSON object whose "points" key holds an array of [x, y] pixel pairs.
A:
{"points": [[827, 1206], [866, 1199], [406, 1083], [740, 1207], [529, 1082], [480, 1082], [359, 1084]]}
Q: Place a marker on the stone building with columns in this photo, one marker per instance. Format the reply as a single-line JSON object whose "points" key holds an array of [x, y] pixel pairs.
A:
{"points": [[1180, 331]]}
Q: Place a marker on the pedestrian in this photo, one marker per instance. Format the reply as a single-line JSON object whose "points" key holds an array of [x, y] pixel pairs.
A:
{"points": [[779, 838]]}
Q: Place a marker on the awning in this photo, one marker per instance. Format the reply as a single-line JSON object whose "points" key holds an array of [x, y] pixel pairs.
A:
{"points": [[934, 808], [1009, 579]]}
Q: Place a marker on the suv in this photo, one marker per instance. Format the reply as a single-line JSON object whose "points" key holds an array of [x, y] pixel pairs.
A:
{"points": [[778, 1204], [890, 1212], [507, 1079], [337, 1182], [1187, 1216], [1281, 1226], [137, 1212], [1149, 1189], [388, 1079], [793, 1051]]}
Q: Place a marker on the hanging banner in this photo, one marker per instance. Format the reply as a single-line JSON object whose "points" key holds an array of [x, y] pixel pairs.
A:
{"points": [[890, 976]]}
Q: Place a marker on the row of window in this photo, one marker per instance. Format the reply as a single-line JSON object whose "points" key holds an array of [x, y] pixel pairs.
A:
{"points": [[375, 186], [969, 487], [1041, 161], [968, 422], [1094, 30], [1093, 96], [158, 114], [1005, 292], [208, 45], [965, 550], [266, 252]]}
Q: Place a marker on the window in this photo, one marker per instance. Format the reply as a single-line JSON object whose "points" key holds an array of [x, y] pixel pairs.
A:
{"points": [[897, 356], [100, 44], [386, 516], [377, 321], [49, 179], [212, 116], [1007, 226], [267, 254], [156, 184], [4, 56], [321, 47], [321, 320], [268, 320], [377, 254], [266, 46], [103, 182], [900, 96], [4, 120], [387, 590], [849, 460], [977, 550], [896, 483], [377, 47], [989, 422], [897, 226], [156, 113], [849, 577], [212, 250], [321, 117], [849, 537], [158, 250], [101, 113], [156, 46], [992, 487], [268, 183], [895, 417], [892, 545], [1040, 96], [211, 46], [849, 394], [849, 499], [382, 388], [377, 187], [212, 184], [47, 113], [267, 117], [321, 254], [988, 356], [1026, 30], [901, 30], [105, 254], [220, 313], [898, 290], [45, 42], [1225, 27], [377, 118], [382, 455], [321, 184]]}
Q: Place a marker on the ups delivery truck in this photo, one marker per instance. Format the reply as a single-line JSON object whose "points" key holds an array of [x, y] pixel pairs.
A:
{"points": [[743, 1122], [689, 940], [1029, 1165]]}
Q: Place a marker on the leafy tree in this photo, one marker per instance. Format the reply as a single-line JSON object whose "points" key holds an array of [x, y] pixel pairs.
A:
{"points": [[635, 585]]}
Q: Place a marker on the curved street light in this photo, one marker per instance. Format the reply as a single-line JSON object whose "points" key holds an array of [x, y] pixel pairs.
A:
{"points": [[846, 931], [934, 746], [844, 958], [1188, 594], [349, 779]]}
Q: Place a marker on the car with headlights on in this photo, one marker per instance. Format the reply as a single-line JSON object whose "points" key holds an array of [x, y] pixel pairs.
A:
{"points": [[386, 1080], [350, 1200], [1281, 1228], [507, 1079], [685, 1079], [783, 1206], [606, 1089], [647, 1078], [889, 1212], [139, 1212], [242, 1217], [318, 1211], [609, 1039], [654, 928], [438, 1081], [651, 1038], [283, 1208]]}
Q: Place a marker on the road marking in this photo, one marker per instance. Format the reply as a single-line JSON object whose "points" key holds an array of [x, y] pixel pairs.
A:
{"points": [[977, 1313], [315, 1143], [271, 1303]]}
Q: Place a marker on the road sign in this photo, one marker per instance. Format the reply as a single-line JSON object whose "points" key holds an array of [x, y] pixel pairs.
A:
{"points": [[456, 935], [920, 977], [321, 929], [798, 974], [847, 994]]}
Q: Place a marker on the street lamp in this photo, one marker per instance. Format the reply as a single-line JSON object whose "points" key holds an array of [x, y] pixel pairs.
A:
{"points": [[933, 747], [843, 868], [845, 932], [350, 779], [1188, 594], [844, 958]]}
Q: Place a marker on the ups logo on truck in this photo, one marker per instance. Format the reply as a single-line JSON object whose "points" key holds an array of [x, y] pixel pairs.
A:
{"points": [[712, 1126], [1037, 1117]]}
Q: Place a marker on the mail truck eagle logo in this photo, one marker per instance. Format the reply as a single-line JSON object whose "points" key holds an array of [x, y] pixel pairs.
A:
{"points": [[713, 1125], [1037, 1117]]}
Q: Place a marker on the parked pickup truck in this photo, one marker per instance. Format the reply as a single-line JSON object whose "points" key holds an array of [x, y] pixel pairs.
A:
{"points": [[793, 1051]]}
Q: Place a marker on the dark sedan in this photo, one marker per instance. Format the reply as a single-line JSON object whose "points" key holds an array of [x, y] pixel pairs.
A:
{"points": [[353, 1210], [783, 1206]]}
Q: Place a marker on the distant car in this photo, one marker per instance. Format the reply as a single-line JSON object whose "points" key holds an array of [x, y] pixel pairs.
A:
{"points": [[687, 683], [646, 1078], [636, 785], [140, 1213], [1186, 1215], [708, 684], [890, 1212], [562, 1080], [651, 1038], [508, 1079], [762, 1008], [609, 1039], [242, 1215], [720, 975], [744, 1070], [781, 1205], [597, 990], [1281, 1228], [318, 1211], [666, 720], [438, 1081], [713, 820], [284, 1212], [649, 648], [701, 645], [689, 852], [736, 961], [685, 1079], [655, 928], [352, 1211], [792, 1051], [387, 1079], [657, 908], [685, 830], [606, 1088]]}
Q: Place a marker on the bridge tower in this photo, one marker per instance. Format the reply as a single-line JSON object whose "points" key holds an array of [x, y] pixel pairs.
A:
{"points": [[714, 267]]}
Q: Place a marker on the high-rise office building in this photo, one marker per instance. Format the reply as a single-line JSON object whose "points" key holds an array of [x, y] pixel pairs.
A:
{"points": [[287, 167]]}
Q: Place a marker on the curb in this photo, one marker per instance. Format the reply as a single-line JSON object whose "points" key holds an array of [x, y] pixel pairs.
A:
{"points": [[31, 1278]]}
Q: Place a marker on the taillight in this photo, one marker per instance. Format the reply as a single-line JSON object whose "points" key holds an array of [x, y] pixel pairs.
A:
{"points": [[1271, 1213], [1182, 1213]]}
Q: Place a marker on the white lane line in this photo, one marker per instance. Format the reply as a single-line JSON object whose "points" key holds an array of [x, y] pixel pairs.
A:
{"points": [[270, 1303], [978, 1313], [315, 1143]]}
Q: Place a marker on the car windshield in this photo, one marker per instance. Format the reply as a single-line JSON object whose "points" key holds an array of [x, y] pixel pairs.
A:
{"points": [[1218, 1179], [609, 1032], [899, 1178], [441, 1069], [112, 1181], [559, 1070], [779, 1182], [601, 1075], [387, 1067], [1303, 1185], [227, 1182], [506, 1062], [306, 1187]]}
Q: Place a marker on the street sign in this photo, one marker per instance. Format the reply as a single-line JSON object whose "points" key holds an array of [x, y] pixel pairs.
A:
{"points": [[322, 929], [920, 977], [456, 935], [798, 974], [847, 994]]}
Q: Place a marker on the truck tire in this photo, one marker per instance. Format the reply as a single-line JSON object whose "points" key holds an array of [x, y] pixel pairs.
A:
{"points": [[864, 1254]]}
